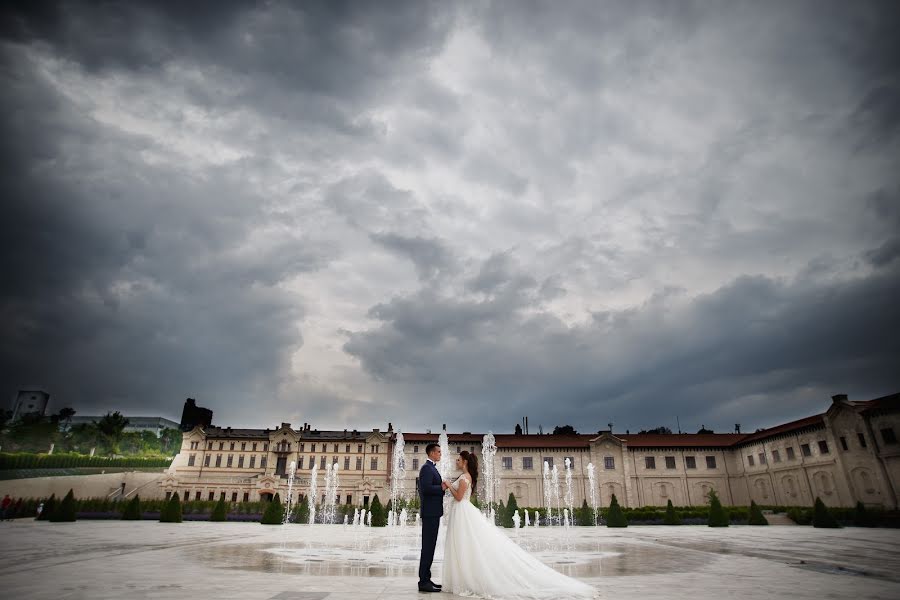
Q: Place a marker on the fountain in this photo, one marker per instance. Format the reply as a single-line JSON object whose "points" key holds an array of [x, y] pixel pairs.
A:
{"points": [[345, 520], [569, 498], [288, 503], [554, 482], [403, 516], [590, 470], [527, 519], [369, 519], [445, 466], [329, 509], [537, 518], [566, 518], [398, 472], [517, 520], [313, 490], [548, 493], [488, 452]]}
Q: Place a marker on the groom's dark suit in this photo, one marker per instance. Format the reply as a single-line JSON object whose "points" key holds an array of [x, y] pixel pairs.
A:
{"points": [[431, 497]]}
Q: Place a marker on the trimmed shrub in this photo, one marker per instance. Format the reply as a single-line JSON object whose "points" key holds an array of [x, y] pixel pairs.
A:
{"points": [[274, 514], [171, 512], [615, 517], [506, 519], [822, 517], [671, 517], [717, 515], [379, 514], [49, 508], [65, 511], [862, 517], [756, 516], [301, 512], [220, 512], [132, 509], [585, 515], [500, 513]]}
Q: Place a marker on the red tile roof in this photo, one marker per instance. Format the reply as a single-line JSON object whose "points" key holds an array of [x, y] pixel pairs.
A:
{"points": [[682, 440], [813, 421]]}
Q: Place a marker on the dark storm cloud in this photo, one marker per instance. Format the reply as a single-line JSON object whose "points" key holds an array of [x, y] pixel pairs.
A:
{"points": [[357, 212]]}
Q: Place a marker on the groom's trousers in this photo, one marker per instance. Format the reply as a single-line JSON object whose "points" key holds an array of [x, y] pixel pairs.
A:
{"points": [[430, 526]]}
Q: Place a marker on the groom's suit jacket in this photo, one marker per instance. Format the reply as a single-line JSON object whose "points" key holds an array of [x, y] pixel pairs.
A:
{"points": [[431, 495]]}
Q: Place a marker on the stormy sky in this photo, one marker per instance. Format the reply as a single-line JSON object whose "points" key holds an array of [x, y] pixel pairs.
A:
{"points": [[354, 213]]}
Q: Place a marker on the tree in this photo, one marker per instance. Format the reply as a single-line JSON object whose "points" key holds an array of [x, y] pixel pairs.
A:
{"points": [[660, 429], [111, 427], [301, 512], [717, 515], [822, 517], [615, 517], [220, 512], [274, 513], [564, 430], [518, 430], [585, 514], [171, 512], [501, 512], [756, 516], [132, 509], [862, 517], [65, 415], [170, 441], [511, 507], [49, 507], [65, 512], [379, 513], [703, 429], [671, 517]]}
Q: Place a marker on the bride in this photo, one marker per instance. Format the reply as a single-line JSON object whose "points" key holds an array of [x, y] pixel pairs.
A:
{"points": [[480, 561]]}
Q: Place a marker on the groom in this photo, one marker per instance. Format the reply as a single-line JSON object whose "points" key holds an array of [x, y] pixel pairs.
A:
{"points": [[431, 496]]}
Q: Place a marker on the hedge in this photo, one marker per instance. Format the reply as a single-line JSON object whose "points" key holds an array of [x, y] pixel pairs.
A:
{"points": [[62, 460]]}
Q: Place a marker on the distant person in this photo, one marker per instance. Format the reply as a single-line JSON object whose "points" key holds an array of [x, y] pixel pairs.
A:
{"points": [[40, 509], [4, 507]]}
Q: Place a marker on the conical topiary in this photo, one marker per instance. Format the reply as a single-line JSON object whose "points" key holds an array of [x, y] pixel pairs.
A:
{"points": [[132, 509], [671, 517], [756, 516], [822, 517], [511, 507], [49, 507], [220, 512], [379, 514], [500, 514], [862, 517], [65, 511], [717, 515], [274, 513], [171, 512], [301, 512], [585, 514], [615, 517]]}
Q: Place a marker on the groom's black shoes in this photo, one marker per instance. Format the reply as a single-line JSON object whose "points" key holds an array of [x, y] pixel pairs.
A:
{"points": [[429, 587], [433, 584]]}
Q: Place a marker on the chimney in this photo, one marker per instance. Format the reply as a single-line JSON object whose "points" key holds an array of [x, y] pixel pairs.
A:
{"points": [[839, 398], [526, 425], [737, 427], [444, 427]]}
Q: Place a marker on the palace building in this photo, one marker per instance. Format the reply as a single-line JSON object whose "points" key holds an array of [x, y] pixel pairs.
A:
{"points": [[847, 454]]}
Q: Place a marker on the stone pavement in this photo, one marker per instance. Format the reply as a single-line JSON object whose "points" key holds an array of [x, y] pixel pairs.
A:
{"points": [[149, 560]]}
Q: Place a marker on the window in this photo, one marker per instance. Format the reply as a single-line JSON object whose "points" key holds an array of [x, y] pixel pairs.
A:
{"points": [[762, 458], [776, 456], [206, 460], [507, 463], [458, 449], [471, 449], [263, 460], [300, 463], [862, 440], [359, 448], [253, 461], [222, 495], [416, 449], [187, 495], [246, 496], [322, 462], [549, 461], [804, 449], [823, 447], [234, 496], [221, 445], [218, 460], [241, 461], [844, 443], [374, 465], [212, 496], [335, 447], [312, 461], [609, 462], [346, 463], [209, 446], [312, 447], [887, 434], [266, 447], [232, 446], [191, 460], [197, 495], [302, 447], [194, 445], [690, 462], [334, 461], [670, 462], [359, 463], [750, 460], [349, 497], [649, 462], [347, 449], [254, 446], [243, 446], [790, 452], [415, 463], [528, 463], [571, 461], [710, 462], [230, 460]]}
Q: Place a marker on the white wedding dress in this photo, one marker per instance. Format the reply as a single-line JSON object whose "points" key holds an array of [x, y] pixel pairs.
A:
{"points": [[480, 561]]}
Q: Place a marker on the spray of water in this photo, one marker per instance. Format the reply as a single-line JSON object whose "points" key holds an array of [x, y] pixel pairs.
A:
{"points": [[313, 490], [592, 483]]}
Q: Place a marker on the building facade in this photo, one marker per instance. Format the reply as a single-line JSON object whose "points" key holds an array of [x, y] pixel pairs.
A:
{"points": [[849, 453]]}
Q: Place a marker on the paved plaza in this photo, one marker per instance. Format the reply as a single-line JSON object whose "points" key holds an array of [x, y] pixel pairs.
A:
{"points": [[114, 559]]}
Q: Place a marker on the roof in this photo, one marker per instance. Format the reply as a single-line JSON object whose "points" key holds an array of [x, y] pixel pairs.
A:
{"points": [[804, 423], [890, 402], [637, 440], [682, 440], [313, 435], [228, 432]]}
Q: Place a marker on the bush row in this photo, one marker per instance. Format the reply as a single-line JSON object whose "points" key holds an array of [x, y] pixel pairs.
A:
{"points": [[25, 460]]}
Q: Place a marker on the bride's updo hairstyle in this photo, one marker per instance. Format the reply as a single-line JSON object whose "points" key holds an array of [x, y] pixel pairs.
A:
{"points": [[472, 465]]}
